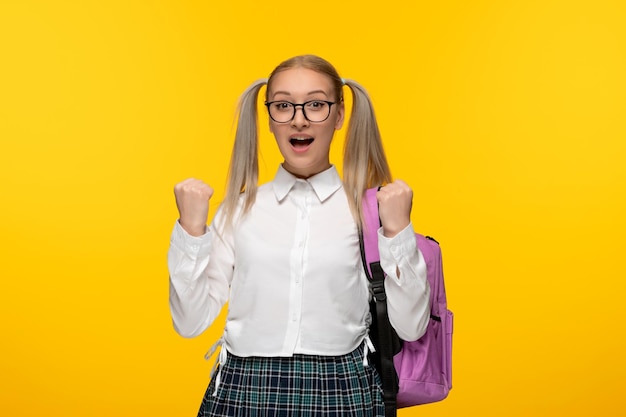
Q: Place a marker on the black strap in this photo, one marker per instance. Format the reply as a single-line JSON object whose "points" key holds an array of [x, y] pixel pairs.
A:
{"points": [[386, 336]]}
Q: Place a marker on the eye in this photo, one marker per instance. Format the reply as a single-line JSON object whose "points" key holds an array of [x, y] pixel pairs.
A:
{"points": [[282, 106], [316, 105]]}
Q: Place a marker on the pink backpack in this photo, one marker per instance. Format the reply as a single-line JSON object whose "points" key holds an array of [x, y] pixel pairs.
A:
{"points": [[416, 372]]}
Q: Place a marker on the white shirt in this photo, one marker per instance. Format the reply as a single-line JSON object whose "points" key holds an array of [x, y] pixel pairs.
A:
{"points": [[293, 269]]}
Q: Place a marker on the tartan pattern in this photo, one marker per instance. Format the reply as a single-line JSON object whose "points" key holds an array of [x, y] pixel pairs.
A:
{"points": [[299, 386]]}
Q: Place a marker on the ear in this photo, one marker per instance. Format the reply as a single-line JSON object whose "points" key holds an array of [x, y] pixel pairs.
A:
{"points": [[341, 111]]}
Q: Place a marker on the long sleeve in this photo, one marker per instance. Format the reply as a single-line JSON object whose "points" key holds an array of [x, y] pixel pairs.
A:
{"points": [[200, 271], [408, 294], [291, 271]]}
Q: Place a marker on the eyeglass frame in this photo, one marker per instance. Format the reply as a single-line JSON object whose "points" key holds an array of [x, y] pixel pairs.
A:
{"points": [[295, 108]]}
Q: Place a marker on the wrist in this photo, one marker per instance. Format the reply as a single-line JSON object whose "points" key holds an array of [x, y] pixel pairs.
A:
{"points": [[393, 230], [195, 230]]}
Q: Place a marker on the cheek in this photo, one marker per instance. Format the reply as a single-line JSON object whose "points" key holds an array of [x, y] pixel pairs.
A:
{"points": [[330, 130], [279, 131]]}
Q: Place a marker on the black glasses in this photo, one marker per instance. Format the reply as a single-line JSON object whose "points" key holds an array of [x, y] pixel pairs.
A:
{"points": [[314, 111]]}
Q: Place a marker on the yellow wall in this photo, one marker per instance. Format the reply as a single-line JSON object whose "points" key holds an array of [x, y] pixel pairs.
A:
{"points": [[506, 117]]}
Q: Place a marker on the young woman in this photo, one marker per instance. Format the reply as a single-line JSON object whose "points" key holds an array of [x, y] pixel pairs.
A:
{"points": [[285, 255]]}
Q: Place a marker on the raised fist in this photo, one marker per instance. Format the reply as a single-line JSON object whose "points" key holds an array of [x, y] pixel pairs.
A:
{"points": [[192, 200], [394, 207]]}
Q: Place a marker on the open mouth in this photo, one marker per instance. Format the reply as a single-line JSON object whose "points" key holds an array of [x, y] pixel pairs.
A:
{"points": [[300, 142]]}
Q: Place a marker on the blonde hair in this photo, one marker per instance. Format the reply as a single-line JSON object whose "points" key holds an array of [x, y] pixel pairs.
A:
{"points": [[364, 164]]}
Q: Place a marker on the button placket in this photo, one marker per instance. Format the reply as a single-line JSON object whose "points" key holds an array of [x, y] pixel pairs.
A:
{"points": [[297, 262]]}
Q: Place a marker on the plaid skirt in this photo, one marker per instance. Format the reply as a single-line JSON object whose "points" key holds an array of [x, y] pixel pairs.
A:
{"points": [[298, 386]]}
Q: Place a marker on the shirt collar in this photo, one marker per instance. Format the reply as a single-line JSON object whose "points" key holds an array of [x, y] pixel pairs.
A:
{"points": [[324, 184]]}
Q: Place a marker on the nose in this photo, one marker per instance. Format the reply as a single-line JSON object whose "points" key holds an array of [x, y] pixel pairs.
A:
{"points": [[298, 118]]}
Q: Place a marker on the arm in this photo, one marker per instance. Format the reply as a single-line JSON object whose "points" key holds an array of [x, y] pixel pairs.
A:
{"points": [[406, 284], [200, 262], [200, 272]]}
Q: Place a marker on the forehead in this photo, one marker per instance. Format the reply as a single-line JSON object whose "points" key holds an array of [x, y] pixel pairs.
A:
{"points": [[300, 82]]}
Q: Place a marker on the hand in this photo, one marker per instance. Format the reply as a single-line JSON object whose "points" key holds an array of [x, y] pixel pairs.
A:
{"points": [[192, 200], [394, 207]]}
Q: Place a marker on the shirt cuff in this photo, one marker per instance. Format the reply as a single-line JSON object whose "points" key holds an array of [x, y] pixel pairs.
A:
{"points": [[397, 252], [188, 243], [400, 245]]}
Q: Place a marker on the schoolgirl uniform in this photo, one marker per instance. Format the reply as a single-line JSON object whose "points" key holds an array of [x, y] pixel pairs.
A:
{"points": [[296, 336]]}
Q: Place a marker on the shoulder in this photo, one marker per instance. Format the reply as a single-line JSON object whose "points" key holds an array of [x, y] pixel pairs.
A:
{"points": [[265, 192]]}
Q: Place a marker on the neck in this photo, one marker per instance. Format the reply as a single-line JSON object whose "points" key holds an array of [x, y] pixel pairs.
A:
{"points": [[304, 173]]}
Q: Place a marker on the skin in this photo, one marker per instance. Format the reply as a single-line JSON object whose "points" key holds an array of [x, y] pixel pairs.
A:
{"points": [[192, 200], [298, 85]]}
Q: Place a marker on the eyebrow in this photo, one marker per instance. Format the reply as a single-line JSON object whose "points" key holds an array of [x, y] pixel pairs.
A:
{"points": [[287, 93]]}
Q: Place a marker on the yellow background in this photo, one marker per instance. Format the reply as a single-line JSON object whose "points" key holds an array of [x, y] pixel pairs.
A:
{"points": [[507, 118]]}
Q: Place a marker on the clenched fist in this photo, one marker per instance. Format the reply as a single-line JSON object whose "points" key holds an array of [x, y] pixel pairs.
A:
{"points": [[192, 200], [394, 207]]}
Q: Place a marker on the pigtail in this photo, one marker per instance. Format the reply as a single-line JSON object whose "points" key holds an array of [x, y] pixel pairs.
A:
{"points": [[364, 165], [243, 173], [364, 161]]}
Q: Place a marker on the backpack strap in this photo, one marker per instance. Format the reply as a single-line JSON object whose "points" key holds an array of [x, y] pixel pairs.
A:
{"points": [[369, 231], [385, 339], [385, 334]]}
